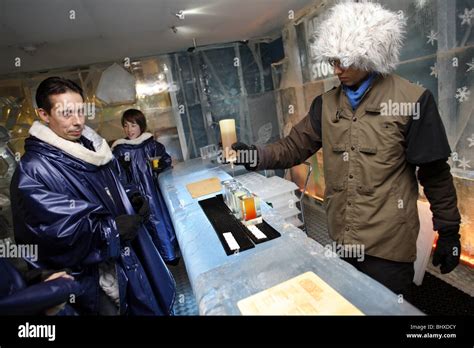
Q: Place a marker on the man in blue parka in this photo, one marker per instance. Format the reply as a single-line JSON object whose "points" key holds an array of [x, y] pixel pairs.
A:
{"points": [[67, 198], [134, 153]]}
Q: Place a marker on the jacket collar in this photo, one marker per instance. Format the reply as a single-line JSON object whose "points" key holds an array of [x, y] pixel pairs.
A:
{"points": [[344, 102], [136, 141], [101, 156], [355, 95]]}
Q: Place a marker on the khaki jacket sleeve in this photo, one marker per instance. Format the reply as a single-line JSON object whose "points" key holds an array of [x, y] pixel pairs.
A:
{"points": [[304, 140]]}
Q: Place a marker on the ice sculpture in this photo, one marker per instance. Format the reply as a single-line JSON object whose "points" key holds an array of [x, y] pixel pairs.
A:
{"points": [[116, 86]]}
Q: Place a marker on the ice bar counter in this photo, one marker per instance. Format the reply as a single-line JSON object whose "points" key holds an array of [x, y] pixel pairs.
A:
{"points": [[219, 281]]}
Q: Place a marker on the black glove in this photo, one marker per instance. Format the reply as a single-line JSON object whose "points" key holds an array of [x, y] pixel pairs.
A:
{"points": [[140, 205], [448, 249], [246, 155], [128, 226]]}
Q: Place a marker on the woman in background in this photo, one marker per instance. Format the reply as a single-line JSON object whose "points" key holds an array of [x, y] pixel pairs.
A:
{"points": [[142, 158]]}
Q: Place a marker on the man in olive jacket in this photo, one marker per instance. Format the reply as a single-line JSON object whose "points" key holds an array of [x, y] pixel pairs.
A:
{"points": [[375, 129]]}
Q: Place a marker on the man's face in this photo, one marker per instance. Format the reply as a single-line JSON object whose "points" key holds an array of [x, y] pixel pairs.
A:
{"points": [[132, 130], [67, 117], [348, 76]]}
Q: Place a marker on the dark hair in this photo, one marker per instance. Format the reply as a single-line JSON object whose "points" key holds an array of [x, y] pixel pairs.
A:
{"points": [[135, 116], [54, 85]]}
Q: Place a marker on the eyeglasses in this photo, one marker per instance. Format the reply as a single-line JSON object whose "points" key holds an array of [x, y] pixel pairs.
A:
{"points": [[336, 63]]}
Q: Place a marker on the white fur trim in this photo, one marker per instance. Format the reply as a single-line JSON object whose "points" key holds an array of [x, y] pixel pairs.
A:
{"points": [[108, 281], [364, 35], [136, 141], [102, 156]]}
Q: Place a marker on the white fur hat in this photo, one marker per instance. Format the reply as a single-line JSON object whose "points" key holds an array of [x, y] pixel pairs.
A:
{"points": [[363, 35]]}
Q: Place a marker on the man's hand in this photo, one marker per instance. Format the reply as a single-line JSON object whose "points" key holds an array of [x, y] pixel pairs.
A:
{"points": [[56, 275], [56, 309], [448, 249], [246, 155], [128, 226], [36, 275]]}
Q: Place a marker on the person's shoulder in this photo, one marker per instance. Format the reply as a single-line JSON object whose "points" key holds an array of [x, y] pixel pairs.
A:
{"points": [[116, 144], [330, 92], [33, 152], [32, 164], [316, 104], [329, 95], [158, 145], [406, 86]]}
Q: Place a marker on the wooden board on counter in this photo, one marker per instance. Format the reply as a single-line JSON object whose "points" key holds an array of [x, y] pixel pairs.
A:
{"points": [[306, 294], [204, 187]]}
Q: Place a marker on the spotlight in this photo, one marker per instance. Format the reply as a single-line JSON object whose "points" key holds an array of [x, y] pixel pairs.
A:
{"points": [[180, 14]]}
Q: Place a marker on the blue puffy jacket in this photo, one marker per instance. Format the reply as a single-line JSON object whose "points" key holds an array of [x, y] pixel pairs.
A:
{"points": [[65, 197], [138, 172]]}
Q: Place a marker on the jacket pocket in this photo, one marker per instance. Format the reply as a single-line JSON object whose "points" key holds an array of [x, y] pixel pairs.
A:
{"points": [[339, 148], [341, 114], [365, 184], [373, 109], [338, 167], [368, 150]]}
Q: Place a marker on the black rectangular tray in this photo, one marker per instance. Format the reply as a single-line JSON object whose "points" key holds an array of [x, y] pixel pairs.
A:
{"points": [[224, 221]]}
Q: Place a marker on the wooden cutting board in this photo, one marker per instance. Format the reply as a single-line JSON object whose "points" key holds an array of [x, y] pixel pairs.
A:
{"points": [[204, 187], [306, 294]]}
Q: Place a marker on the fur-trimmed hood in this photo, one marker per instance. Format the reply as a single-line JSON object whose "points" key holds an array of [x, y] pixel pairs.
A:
{"points": [[363, 35], [101, 156], [136, 141]]}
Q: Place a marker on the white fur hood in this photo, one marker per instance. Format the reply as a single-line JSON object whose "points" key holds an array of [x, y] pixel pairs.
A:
{"points": [[364, 35], [101, 156], [136, 141]]}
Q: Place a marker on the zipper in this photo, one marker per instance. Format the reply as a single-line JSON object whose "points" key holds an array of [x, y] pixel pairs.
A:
{"points": [[109, 194]]}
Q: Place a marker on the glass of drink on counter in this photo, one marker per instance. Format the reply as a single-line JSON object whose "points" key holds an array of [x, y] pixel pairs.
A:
{"points": [[226, 192], [237, 191], [155, 162], [250, 207], [228, 136]]}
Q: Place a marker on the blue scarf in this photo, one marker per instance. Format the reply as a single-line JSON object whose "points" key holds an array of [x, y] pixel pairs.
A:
{"points": [[355, 96]]}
